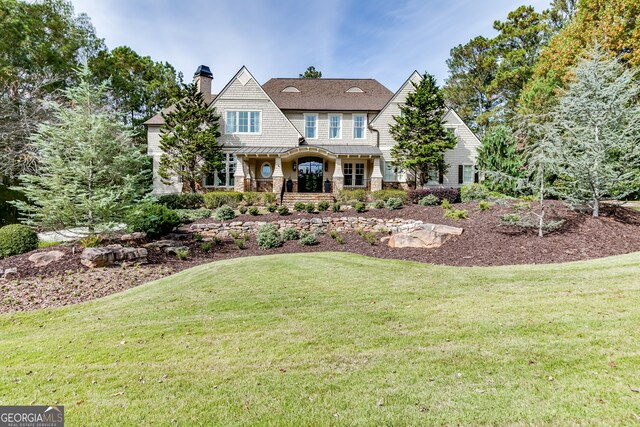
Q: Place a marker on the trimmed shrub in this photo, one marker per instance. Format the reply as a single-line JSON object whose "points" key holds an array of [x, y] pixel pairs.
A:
{"points": [[323, 205], [205, 247], [393, 203], [510, 219], [336, 207], [456, 214], [429, 200], [290, 234], [253, 211], [182, 254], [474, 193], [153, 219], [378, 204], [182, 201], [269, 198], [360, 207], [308, 239], [268, 237], [225, 212], [251, 198], [299, 206], [445, 204], [190, 215], [242, 209], [385, 195], [17, 239], [450, 194], [345, 196], [310, 208], [484, 205], [283, 211], [271, 207], [215, 199]]}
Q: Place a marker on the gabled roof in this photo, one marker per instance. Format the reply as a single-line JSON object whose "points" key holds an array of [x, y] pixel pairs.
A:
{"points": [[328, 94], [415, 75]]}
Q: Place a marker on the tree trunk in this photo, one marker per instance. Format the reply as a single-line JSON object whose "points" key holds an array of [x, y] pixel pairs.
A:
{"points": [[596, 207]]}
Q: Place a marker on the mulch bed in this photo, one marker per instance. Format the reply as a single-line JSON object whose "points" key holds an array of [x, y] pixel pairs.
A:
{"points": [[484, 243]]}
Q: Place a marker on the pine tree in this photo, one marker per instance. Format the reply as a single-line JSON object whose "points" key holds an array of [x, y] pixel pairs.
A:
{"points": [[592, 135], [89, 172], [189, 141], [500, 160], [419, 132], [311, 73]]}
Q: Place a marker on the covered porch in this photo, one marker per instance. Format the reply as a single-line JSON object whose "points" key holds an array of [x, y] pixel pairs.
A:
{"points": [[308, 169]]}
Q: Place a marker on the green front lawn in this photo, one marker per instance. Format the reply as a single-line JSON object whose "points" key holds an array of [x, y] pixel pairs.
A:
{"points": [[340, 339]]}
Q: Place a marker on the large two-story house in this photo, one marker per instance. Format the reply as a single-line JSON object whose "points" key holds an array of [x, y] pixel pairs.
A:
{"points": [[311, 135]]}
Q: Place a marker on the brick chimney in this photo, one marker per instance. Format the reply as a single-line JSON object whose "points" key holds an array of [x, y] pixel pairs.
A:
{"points": [[203, 78]]}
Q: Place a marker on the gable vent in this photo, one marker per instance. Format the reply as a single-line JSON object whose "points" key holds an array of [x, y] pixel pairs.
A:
{"points": [[290, 89], [355, 89]]}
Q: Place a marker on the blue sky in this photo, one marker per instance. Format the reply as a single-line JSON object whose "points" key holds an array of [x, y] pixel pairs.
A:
{"points": [[381, 39]]}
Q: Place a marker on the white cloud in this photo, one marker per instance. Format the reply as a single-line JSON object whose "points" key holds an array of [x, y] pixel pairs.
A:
{"points": [[376, 38]]}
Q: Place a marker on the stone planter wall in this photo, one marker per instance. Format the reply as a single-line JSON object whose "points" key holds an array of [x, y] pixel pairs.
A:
{"points": [[317, 225]]}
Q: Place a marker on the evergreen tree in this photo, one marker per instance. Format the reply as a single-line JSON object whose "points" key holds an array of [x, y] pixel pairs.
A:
{"points": [[472, 68], [500, 160], [140, 86], [592, 135], [189, 141], [311, 73], [419, 132], [89, 170]]}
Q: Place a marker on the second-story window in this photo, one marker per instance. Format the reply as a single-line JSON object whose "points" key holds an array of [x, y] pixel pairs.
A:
{"points": [[359, 123], [335, 126], [243, 122], [311, 126]]}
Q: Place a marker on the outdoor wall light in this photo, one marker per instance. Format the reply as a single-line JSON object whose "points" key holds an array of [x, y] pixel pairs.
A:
{"points": [[293, 166]]}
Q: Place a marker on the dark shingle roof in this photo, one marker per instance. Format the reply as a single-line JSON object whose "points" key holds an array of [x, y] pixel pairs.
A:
{"points": [[328, 94]]}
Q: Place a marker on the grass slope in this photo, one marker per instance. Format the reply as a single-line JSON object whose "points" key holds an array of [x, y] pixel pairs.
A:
{"points": [[340, 339]]}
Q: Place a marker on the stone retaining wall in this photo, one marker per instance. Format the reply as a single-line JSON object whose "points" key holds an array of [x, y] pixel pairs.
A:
{"points": [[317, 225]]}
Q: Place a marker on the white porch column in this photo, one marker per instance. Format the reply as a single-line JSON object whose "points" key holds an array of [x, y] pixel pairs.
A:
{"points": [[338, 177], [277, 176], [376, 175], [238, 176]]}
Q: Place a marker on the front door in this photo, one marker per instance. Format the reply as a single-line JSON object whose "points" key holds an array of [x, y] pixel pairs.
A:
{"points": [[310, 175]]}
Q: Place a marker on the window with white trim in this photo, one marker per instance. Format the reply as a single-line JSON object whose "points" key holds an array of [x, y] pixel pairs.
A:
{"points": [[243, 122], [335, 126], [311, 126], [467, 174], [433, 177], [266, 170], [223, 177], [390, 174], [359, 126], [354, 175]]}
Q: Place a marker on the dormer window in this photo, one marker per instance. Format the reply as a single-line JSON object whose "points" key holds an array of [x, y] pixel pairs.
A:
{"points": [[291, 89], [355, 89]]}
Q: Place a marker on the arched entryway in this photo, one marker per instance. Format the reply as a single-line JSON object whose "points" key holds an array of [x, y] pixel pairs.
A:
{"points": [[310, 174]]}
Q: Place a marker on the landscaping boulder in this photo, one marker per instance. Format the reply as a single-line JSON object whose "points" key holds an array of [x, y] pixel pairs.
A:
{"points": [[173, 250], [42, 259], [9, 273], [161, 244], [424, 236], [133, 237], [111, 254]]}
